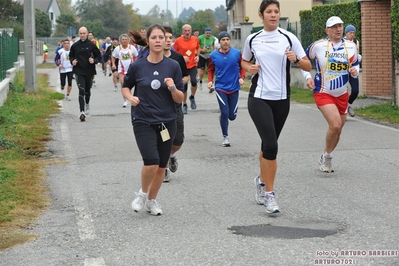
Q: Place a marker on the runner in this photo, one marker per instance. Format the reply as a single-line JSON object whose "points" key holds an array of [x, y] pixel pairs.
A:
{"points": [[126, 53], [188, 46], [226, 63], [65, 68]]}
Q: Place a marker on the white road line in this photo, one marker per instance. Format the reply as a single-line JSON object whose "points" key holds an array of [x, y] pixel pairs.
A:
{"points": [[94, 262], [84, 219]]}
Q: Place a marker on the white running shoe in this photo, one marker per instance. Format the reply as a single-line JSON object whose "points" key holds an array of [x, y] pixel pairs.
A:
{"points": [[125, 103], [259, 191], [153, 207], [87, 109], [325, 164], [67, 98], [351, 112], [82, 116], [139, 202], [226, 141], [271, 203], [167, 178], [116, 88]]}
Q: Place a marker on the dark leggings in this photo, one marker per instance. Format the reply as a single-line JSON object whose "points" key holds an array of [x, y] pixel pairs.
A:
{"points": [[354, 82], [153, 149], [84, 85], [68, 76], [269, 118], [193, 78]]}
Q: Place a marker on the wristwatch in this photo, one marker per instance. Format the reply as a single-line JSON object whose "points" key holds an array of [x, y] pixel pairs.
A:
{"points": [[297, 59]]}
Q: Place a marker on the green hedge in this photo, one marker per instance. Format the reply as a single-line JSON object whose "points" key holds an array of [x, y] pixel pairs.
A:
{"points": [[395, 28], [313, 23]]}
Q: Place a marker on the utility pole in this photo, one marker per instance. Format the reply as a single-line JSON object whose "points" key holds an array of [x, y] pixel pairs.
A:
{"points": [[29, 43]]}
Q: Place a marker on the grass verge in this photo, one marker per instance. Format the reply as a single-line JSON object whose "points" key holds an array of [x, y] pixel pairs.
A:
{"points": [[383, 113], [24, 131]]}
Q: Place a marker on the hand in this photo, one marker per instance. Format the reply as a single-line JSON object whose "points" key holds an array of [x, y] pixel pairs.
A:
{"points": [[353, 71], [74, 62], [186, 58], [290, 55], [241, 81], [91, 60], [170, 83], [113, 67], [310, 84], [60, 66], [253, 69], [134, 100], [196, 58], [210, 83]]}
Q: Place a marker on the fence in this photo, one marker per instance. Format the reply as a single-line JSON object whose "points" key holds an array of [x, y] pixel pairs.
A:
{"points": [[8, 52]]}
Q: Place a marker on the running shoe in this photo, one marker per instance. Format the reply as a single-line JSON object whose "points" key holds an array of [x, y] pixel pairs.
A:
{"points": [[125, 103], [87, 109], [116, 88], [167, 177], [271, 203], [82, 116], [325, 164], [139, 202], [94, 83], [62, 88], [173, 165], [259, 191], [351, 112], [67, 98], [226, 141], [153, 207], [192, 102], [184, 109]]}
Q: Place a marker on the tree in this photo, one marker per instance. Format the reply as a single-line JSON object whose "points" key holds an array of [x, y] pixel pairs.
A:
{"points": [[66, 7], [154, 12], [11, 11], [99, 16], [203, 19], [64, 21], [186, 14], [220, 14], [95, 26], [43, 24]]}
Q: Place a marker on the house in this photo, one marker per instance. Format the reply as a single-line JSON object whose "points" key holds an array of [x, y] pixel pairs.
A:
{"points": [[243, 14], [380, 73], [50, 7]]}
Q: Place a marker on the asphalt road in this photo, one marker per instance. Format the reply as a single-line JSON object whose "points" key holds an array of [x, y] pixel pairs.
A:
{"points": [[210, 215]]}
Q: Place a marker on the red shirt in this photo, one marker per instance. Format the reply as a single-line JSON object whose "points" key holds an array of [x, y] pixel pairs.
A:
{"points": [[187, 47]]}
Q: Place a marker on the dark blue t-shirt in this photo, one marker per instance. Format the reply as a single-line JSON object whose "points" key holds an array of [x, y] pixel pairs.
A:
{"points": [[156, 103]]}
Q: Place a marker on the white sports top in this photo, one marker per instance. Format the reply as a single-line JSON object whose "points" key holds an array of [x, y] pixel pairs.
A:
{"points": [[272, 82], [126, 57]]}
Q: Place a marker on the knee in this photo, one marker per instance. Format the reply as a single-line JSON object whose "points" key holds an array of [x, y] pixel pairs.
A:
{"points": [[151, 162], [269, 152], [336, 127], [232, 117]]}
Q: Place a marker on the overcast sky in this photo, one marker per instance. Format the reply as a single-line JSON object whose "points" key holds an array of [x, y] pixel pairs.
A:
{"points": [[145, 5]]}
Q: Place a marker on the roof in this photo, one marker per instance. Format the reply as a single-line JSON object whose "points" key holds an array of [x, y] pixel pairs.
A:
{"points": [[43, 5]]}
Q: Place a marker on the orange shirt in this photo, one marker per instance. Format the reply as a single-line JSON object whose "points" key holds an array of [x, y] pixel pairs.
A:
{"points": [[189, 47]]}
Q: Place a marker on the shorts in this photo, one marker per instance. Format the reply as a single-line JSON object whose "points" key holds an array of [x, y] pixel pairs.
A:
{"points": [[203, 62], [324, 98], [179, 138]]}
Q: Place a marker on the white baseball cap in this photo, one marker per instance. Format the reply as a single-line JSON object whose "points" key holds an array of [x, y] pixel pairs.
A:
{"points": [[332, 21]]}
